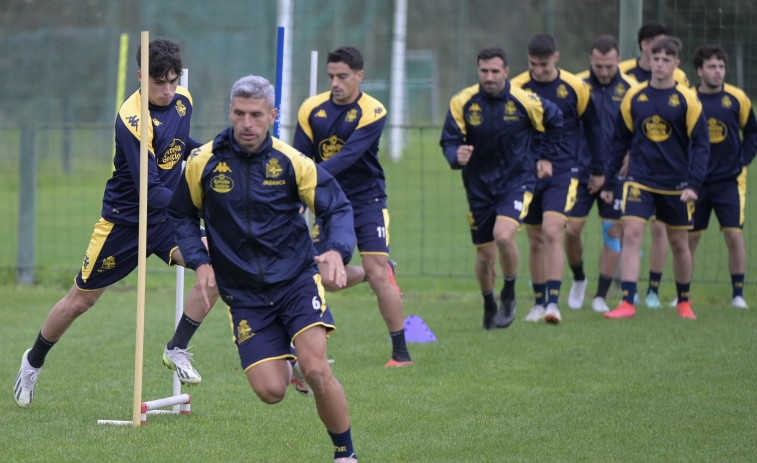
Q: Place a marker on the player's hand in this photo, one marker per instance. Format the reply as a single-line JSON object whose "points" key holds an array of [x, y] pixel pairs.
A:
{"points": [[595, 183], [464, 153], [205, 277], [607, 196], [624, 167], [688, 195], [543, 168], [334, 267]]}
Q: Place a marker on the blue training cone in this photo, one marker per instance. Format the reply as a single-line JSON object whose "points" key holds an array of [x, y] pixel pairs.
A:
{"points": [[416, 330]]}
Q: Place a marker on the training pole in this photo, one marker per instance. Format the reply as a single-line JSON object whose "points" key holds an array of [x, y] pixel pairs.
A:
{"points": [[142, 247], [279, 76]]}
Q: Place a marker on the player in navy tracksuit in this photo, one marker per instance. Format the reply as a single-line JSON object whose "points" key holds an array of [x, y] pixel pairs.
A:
{"points": [[729, 113], [340, 130], [555, 197], [495, 133], [607, 86], [112, 252], [248, 187], [663, 126]]}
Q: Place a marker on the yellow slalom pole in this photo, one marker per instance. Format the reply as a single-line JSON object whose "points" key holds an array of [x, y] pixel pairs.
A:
{"points": [[142, 247], [123, 52]]}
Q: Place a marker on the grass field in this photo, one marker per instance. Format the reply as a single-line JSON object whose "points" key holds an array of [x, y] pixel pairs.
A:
{"points": [[655, 388]]}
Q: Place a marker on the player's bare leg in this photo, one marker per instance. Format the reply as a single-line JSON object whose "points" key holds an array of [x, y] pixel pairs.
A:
{"points": [[679, 246], [390, 305], [486, 274], [537, 260], [553, 226], [658, 252], [509, 257]]}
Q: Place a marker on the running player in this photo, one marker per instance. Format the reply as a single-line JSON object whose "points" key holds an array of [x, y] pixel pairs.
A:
{"points": [[340, 130], [554, 197], [662, 126], [112, 251]]}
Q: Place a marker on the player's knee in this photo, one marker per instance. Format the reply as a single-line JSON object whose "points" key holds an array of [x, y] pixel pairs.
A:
{"points": [[271, 396]]}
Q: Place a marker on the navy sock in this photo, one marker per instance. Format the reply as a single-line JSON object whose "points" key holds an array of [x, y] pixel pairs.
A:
{"points": [[603, 286], [184, 332], [508, 292], [578, 271], [683, 291], [654, 282], [540, 296], [628, 289], [342, 444], [489, 302], [399, 347], [737, 282], [36, 356], [553, 291]]}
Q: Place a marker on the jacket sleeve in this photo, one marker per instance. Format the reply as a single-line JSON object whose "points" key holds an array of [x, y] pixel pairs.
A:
{"points": [[302, 142], [158, 195], [321, 192], [592, 129], [749, 142], [552, 121], [183, 212], [699, 155], [621, 141]]}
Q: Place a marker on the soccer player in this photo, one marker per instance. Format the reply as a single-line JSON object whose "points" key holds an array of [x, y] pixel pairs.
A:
{"points": [[494, 133], [662, 124], [555, 196], [340, 130], [248, 187], [729, 112], [112, 251], [608, 86], [641, 69]]}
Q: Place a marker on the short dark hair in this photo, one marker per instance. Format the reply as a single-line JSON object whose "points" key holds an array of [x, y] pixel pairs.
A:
{"points": [[489, 53], [705, 52], [351, 56], [542, 45], [650, 31], [669, 45], [604, 43], [165, 56]]}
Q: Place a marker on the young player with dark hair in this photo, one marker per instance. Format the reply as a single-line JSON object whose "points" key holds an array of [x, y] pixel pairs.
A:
{"points": [[112, 251], [554, 197], [340, 130], [729, 112], [662, 126]]}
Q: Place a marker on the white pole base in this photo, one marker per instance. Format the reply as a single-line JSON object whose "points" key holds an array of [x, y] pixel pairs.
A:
{"points": [[153, 408]]}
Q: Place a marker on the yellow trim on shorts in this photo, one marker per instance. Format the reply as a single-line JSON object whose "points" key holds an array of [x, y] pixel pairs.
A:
{"points": [[281, 357]]}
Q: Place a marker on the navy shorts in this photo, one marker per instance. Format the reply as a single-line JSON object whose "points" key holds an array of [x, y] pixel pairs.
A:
{"points": [[727, 199], [552, 195], [371, 223], [641, 202], [113, 252], [584, 201], [512, 205], [265, 333]]}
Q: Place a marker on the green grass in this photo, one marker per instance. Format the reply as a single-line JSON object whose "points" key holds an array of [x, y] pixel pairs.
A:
{"points": [[655, 388]]}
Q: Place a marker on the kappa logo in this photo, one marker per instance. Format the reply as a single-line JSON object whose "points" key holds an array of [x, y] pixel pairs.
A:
{"points": [[642, 98], [180, 108], [85, 263], [244, 332], [133, 121], [322, 114], [222, 167], [109, 263], [156, 122], [378, 111]]}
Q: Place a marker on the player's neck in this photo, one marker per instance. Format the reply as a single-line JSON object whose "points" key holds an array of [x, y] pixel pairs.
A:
{"points": [[645, 63], [708, 89], [662, 84]]}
